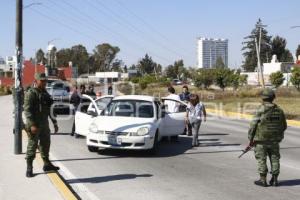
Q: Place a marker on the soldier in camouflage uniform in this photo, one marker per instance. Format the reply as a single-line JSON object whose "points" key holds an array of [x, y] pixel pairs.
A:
{"points": [[37, 106], [266, 132]]}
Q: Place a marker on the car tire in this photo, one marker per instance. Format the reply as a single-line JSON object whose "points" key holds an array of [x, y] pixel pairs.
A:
{"points": [[174, 138], [154, 149], [93, 149]]}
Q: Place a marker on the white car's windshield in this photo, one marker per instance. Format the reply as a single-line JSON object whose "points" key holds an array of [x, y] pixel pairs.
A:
{"points": [[102, 103], [130, 108]]}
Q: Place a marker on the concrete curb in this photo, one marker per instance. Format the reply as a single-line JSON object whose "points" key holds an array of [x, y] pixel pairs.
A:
{"points": [[236, 115], [55, 178]]}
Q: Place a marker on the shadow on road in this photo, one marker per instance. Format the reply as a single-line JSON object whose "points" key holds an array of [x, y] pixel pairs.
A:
{"points": [[82, 159], [294, 182], [213, 134], [103, 179]]}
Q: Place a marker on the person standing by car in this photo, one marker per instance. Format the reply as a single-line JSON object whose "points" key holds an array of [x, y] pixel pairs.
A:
{"points": [[185, 96], [91, 92], [172, 106], [37, 105], [75, 101], [194, 114], [265, 133]]}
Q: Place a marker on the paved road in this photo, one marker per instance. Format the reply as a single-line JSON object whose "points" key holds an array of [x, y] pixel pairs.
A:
{"points": [[211, 171]]}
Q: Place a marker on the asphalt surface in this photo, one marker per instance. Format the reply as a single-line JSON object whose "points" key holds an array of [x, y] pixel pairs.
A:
{"points": [[210, 171]]}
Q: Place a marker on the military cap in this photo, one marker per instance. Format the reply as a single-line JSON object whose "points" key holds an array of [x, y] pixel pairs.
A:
{"points": [[268, 93], [40, 76]]}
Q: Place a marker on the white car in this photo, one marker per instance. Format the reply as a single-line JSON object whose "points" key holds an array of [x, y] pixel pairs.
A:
{"points": [[87, 110], [134, 122]]}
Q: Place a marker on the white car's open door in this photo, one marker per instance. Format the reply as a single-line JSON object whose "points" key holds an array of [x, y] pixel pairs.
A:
{"points": [[87, 109], [173, 123]]}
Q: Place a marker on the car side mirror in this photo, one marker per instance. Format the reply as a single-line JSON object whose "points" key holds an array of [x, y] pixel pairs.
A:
{"points": [[92, 112]]}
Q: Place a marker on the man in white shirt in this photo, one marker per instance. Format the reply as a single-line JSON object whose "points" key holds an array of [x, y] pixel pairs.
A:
{"points": [[172, 106]]}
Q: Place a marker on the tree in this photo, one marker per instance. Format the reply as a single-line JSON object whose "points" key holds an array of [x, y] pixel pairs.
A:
{"points": [[104, 55], [77, 54], [219, 63], [116, 66], [204, 78], [279, 49], [40, 57], [277, 79], [223, 78], [249, 48], [295, 78], [298, 51], [177, 70], [79, 58], [243, 79], [64, 56], [146, 65]]}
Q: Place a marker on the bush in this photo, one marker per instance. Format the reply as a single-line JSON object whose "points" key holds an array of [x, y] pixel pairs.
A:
{"points": [[135, 80], [295, 78], [277, 79], [223, 78], [143, 84], [204, 78]]}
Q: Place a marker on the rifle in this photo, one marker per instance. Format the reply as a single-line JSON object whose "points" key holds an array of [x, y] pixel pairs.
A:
{"points": [[248, 148]]}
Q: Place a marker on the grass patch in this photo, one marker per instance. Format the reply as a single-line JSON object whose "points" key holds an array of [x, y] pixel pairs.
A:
{"points": [[245, 100]]}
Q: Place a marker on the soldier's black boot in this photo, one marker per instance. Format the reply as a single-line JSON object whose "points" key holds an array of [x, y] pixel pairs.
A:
{"points": [[29, 172], [274, 180], [50, 167], [262, 181]]}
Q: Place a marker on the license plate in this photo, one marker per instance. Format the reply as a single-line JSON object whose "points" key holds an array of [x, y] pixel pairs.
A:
{"points": [[114, 141]]}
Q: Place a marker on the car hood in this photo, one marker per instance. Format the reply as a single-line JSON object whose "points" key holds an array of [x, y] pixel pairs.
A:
{"points": [[122, 124]]}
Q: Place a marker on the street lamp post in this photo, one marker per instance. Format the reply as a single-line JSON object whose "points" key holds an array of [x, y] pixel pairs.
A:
{"points": [[18, 90], [18, 79]]}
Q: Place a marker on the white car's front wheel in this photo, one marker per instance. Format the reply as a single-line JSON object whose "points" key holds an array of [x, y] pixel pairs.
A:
{"points": [[154, 149], [93, 149]]}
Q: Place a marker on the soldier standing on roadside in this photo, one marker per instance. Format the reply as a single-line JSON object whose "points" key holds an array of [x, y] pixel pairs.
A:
{"points": [[265, 133], [37, 110]]}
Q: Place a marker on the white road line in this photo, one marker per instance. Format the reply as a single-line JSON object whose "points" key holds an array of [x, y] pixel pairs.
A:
{"points": [[79, 188]]}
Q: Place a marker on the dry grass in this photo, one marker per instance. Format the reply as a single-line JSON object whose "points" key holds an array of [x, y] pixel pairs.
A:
{"points": [[244, 100]]}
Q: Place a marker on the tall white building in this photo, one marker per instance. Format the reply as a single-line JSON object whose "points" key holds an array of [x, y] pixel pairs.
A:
{"points": [[209, 50]]}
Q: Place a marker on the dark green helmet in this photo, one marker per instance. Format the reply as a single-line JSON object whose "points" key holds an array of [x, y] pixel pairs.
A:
{"points": [[268, 94]]}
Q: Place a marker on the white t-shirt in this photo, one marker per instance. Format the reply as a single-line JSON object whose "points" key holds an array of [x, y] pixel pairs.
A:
{"points": [[195, 112], [172, 106]]}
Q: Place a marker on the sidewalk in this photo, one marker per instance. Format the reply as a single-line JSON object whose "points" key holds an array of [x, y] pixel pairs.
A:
{"points": [[13, 183]]}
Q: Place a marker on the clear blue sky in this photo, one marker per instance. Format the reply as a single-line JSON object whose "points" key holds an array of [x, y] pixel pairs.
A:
{"points": [[165, 29]]}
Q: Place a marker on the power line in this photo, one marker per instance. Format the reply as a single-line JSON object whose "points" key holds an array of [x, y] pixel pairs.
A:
{"points": [[136, 29], [113, 32], [148, 25]]}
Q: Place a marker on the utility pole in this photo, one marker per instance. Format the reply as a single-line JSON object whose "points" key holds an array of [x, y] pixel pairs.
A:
{"points": [[18, 78], [259, 26]]}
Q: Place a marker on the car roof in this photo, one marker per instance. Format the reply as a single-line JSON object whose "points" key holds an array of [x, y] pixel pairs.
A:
{"points": [[135, 97]]}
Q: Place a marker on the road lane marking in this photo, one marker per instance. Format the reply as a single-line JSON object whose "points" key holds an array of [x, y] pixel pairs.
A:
{"points": [[223, 113]]}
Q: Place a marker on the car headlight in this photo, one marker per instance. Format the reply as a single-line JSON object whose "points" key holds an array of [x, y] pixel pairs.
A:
{"points": [[142, 131], [94, 129]]}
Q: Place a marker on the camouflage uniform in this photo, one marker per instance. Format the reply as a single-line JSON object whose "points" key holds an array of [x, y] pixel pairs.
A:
{"points": [[267, 131], [37, 105]]}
